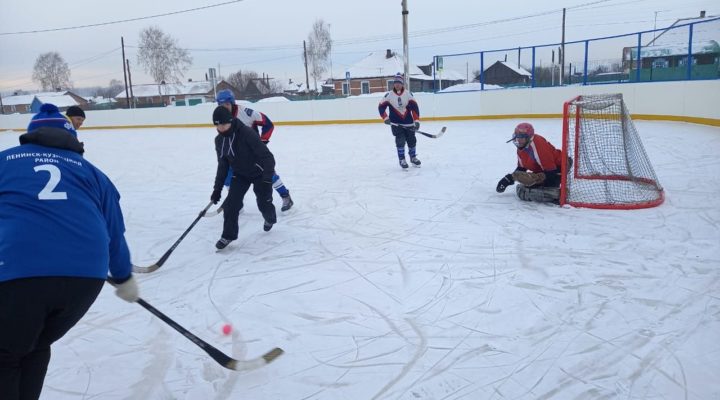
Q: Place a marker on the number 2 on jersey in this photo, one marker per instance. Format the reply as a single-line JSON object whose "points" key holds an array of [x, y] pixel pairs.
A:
{"points": [[47, 192]]}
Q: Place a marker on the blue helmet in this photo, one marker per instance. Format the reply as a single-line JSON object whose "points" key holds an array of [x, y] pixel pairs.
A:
{"points": [[225, 96]]}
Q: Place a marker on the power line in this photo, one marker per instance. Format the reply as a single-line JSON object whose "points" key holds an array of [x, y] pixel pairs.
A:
{"points": [[121, 21]]}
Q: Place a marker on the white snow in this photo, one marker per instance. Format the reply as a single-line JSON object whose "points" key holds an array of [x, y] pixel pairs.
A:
{"points": [[425, 284], [275, 99]]}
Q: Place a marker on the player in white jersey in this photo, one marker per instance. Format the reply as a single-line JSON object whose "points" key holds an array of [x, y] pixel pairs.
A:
{"points": [[404, 118]]}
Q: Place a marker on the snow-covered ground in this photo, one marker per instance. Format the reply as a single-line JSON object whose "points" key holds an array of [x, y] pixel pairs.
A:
{"points": [[426, 284]]}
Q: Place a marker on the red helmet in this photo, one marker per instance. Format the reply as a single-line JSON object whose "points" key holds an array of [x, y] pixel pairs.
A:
{"points": [[522, 131]]}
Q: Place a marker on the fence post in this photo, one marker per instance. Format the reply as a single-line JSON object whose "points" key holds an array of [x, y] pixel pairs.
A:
{"points": [[638, 62], [482, 70], [688, 75], [533, 67], [585, 71]]}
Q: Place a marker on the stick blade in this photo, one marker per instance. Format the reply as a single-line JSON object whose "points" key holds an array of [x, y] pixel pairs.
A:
{"points": [[255, 363], [145, 270]]}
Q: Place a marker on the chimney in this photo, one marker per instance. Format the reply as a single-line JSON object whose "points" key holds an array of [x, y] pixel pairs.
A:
{"points": [[388, 53], [702, 14]]}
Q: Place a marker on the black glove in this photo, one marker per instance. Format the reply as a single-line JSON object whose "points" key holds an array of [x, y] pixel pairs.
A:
{"points": [[417, 126], [215, 196], [387, 121], [265, 141], [506, 181]]}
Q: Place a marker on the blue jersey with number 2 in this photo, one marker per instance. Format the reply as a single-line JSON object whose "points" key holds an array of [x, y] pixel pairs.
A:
{"points": [[59, 216]]}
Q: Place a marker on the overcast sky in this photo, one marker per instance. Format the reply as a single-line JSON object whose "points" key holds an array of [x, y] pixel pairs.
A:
{"points": [[266, 36]]}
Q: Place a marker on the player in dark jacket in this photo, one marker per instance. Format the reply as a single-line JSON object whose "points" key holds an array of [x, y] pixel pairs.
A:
{"points": [[538, 168], [264, 126], [61, 231], [240, 147]]}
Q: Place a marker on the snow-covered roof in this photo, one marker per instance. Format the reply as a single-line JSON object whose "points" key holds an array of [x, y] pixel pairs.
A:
{"points": [[376, 64], [18, 99], [60, 101], [468, 87], [707, 47], [449, 74], [169, 89], [514, 67], [28, 98], [676, 35]]}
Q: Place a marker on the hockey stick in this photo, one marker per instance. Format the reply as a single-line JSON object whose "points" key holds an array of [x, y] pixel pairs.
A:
{"points": [[217, 355], [213, 213], [161, 261], [430, 135]]}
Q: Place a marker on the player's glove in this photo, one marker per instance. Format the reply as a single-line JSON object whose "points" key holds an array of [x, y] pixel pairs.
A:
{"points": [[215, 196], [127, 290], [387, 121], [266, 141], [416, 127], [506, 181]]}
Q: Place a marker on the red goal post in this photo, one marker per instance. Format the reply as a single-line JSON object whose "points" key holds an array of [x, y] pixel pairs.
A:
{"points": [[610, 168]]}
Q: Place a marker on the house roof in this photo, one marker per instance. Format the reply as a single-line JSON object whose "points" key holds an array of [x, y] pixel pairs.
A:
{"points": [[169, 89], [515, 68], [376, 64], [675, 35], [707, 47], [60, 101], [28, 98]]}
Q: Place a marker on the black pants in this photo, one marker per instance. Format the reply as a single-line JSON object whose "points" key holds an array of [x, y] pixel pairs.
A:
{"points": [[34, 313], [403, 135], [234, 203]]}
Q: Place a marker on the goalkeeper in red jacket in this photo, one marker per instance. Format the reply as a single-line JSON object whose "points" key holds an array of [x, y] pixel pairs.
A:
{"points": [[538, 168]]}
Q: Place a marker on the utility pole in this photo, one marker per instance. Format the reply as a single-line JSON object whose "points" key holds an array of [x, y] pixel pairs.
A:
{"points": [[127, 96], [406, 47], [307, 77], [132, 96], [562, 51], [655, 25]]}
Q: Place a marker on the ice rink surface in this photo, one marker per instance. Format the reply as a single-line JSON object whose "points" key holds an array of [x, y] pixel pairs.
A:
{"points": [[425, 284]]}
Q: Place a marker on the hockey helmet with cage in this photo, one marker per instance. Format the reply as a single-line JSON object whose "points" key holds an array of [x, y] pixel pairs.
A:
{"points": [[225, 96], [524, 131]]}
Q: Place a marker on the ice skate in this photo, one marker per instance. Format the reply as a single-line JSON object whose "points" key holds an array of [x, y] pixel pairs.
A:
{"points": [[222, 243], [267, 226], [287, 203]]}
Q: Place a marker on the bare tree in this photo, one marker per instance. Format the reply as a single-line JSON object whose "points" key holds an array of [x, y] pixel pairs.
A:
{"points": [[240, 78], [51, 71], [161, 57], [318, 49], [113, 89]]}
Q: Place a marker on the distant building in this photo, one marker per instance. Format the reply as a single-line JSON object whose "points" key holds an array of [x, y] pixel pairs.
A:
{"points": [[175, 94], [505, 74], [31, 103], [375, 73], [665, 57]]}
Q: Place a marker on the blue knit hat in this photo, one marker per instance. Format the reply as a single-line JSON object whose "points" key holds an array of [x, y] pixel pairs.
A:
{"points": [[399, 79], [50, 116]]}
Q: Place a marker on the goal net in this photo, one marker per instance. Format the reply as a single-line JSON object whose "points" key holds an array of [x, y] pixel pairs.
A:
{"points": [[610, 168]]}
